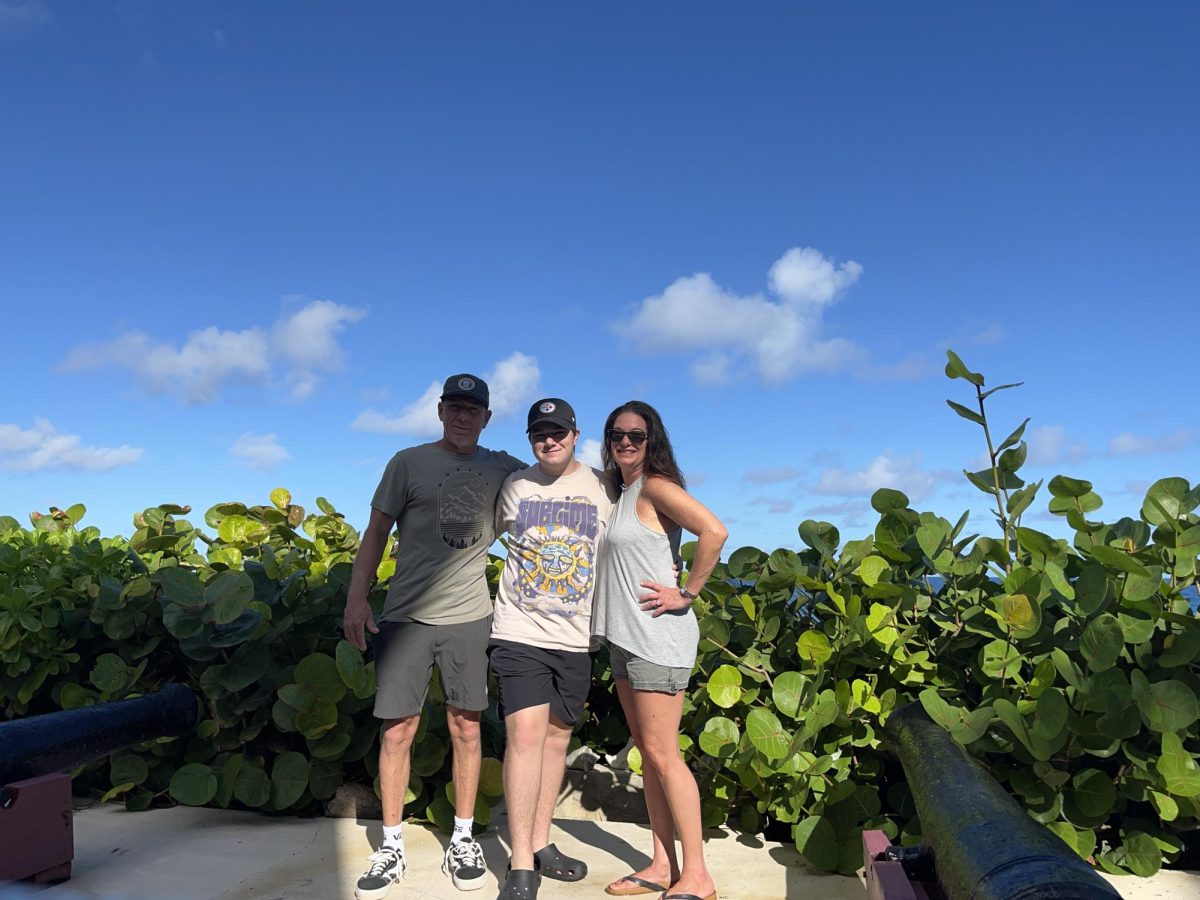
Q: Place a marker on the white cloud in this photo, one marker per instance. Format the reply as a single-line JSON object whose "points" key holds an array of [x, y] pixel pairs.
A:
{"points": [[300, 346], [44, 447], [307, 340], [19, 14], [512, 384], [588, 453], [1129, 444], [1050, 445], [902, 473], [775, 505], [804, 276], [780, 337], [259, 451], [772, 476], [849, 513]]}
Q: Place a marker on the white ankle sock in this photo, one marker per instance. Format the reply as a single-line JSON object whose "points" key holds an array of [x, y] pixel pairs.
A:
{"points": [[392, 836], [462, 829]]}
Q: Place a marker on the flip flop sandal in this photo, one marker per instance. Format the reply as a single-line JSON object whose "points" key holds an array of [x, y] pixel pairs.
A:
{"points": [[553, 863], [712, 896], [520, 884], [645, 887]]}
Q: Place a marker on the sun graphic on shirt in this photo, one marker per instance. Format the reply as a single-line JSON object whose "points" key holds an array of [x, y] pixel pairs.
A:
{"points": [[558, 567]]}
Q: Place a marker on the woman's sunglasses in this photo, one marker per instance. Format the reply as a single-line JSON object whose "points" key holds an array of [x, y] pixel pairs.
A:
{"points": [[616, 435]]}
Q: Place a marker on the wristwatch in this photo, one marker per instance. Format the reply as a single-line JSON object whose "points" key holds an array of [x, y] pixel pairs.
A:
{"points": [[686, 594]]}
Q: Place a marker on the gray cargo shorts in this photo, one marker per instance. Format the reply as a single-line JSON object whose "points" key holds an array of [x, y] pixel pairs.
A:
{"points": [[644, 675], [405, 653]]}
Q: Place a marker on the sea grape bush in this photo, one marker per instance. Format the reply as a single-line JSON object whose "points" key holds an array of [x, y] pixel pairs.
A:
{"points": [[1069, 667]]}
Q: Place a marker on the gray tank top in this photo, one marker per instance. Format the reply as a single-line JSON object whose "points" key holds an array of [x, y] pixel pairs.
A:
{"points": [[633, 553]]}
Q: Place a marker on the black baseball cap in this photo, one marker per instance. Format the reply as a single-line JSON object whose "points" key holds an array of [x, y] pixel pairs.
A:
{"points": [[552, 411], [471, 387]]}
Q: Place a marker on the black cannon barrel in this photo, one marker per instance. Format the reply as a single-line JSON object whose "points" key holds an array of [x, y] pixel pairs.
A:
{"points": [[59, 741], [985, 846]]}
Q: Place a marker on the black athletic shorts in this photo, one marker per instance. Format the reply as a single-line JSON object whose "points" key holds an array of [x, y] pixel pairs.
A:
{"points": [[530, 676]]}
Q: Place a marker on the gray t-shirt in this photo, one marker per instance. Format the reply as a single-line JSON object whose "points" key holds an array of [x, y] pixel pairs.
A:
{"points": [[444, 505]]}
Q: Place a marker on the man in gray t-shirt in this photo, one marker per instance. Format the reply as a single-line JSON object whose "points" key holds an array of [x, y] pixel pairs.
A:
{"points": [[441, 498]]}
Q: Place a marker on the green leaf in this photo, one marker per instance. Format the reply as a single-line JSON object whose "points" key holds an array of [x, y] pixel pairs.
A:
{"points": [[1050, 715], [1093, 590], [787, 691], [247, 666], [491, 777], [1101, 642], [999, 659], [251, 785], [1062, 486], [720, 737], [871, 568], [1116, 559], [319, 673], [227, 595], [817, 841], [886, 500], [968, 414], [281, 498], [1166, 500], [1094, 793], [1167, 705], [127, 768], [1178, 767], [181, 586], [238, 529], [352, 669], [193, 784], [814, 646], [1000, 387], [725, 686], [289, 779], [956, 368], [1019, 614], [1013, 438], [110, 674], [767, 734], [1142, 855], [1038, 542]]}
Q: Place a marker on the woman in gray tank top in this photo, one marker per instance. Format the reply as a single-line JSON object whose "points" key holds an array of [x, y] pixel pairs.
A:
{"points": [[652, 635]]}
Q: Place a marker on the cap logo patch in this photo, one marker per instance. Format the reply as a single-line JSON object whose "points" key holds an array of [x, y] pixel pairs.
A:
{"points": [[547, 408], [467, 384]]}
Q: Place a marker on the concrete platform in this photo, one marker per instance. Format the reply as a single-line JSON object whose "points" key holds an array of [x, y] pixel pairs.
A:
{"points": [[196, 854], [188, 853]]}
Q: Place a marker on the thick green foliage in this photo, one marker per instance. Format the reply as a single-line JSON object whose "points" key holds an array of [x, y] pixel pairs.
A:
{"points": [[1069, 667]]}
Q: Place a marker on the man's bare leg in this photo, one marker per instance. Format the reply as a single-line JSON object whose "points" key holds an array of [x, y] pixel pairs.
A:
{"points": [[468, 758], [395, 750], [554, 764], [525, 736]]}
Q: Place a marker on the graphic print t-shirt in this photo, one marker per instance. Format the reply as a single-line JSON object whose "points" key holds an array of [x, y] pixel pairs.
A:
{"points": [[445, 507], [554, 526]]}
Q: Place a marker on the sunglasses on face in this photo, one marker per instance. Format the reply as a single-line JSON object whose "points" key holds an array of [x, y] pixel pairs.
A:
{"points": [[616, 435], [540, 437]]}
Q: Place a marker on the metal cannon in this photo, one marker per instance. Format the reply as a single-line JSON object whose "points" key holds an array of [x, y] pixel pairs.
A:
{"points": [[984, 845], [36, 830]]}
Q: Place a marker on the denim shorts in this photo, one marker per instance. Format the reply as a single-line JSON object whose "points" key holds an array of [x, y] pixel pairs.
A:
{"points": [[644, 675]]}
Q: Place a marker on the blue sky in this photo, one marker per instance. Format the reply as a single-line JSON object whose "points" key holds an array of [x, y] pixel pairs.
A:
{"points": [[239, 243]]}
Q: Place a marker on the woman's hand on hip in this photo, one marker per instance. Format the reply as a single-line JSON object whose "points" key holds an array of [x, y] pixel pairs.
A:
{"points": [[661, 599]]}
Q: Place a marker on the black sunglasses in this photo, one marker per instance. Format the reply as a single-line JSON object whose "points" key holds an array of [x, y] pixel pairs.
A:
{"points": [[616, 435], [558, 435]]}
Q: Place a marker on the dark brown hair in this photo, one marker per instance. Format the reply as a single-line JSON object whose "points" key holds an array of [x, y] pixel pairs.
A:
{"points": [[660, 458]]}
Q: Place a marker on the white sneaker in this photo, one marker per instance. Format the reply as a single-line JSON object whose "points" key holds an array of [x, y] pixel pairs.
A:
{"points": [[464, 864], [386, 868]]}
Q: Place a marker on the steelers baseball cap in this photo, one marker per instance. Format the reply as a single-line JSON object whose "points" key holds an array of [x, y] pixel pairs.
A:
{"points": [[552, 411], [469, 386]]}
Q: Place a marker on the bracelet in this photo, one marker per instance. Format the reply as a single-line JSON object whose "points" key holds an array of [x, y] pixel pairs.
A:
{"points": [[686, 594]]}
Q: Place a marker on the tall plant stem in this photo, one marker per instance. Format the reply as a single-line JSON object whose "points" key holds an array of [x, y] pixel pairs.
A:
{"points": [[1001, 494]]}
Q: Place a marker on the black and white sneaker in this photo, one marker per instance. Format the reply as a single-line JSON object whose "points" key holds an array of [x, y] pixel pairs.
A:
{"points": [[386, 868], [464, 864]]}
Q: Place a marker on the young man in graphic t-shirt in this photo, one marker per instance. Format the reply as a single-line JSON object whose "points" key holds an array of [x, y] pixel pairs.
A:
{"points": [[555, 514], [441, 499]]}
